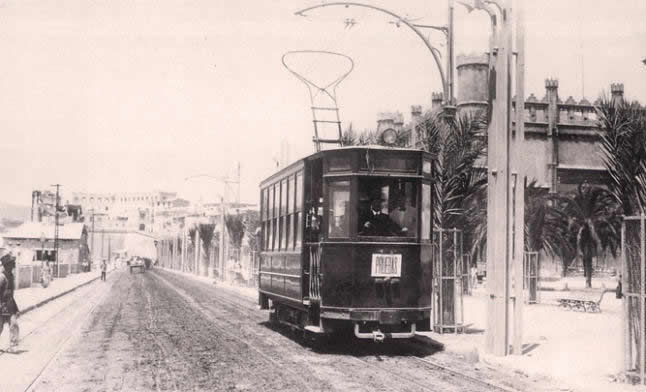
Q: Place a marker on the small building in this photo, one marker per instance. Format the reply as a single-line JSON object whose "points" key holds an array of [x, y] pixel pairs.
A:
{"points": [[33, 243]]}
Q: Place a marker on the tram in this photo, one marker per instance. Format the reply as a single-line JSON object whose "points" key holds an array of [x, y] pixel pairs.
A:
{"points": [[346, 242]]}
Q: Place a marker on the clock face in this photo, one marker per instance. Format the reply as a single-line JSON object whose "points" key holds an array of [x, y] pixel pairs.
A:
{"points": [[389, 136]]}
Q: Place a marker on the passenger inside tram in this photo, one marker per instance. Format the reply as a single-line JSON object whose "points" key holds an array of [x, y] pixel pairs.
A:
{"points": [[376, 222], [387, 208]]}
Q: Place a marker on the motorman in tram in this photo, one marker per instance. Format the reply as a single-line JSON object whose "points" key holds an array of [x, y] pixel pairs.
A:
{"points": [[377, 222]]}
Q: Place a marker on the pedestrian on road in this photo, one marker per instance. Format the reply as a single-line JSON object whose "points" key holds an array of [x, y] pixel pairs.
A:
{"points": [[473, 272], [104, 268], [8, 306], [46, 274]]}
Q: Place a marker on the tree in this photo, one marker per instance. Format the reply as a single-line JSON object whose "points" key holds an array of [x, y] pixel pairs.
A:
{"points": [[460, 182], [622, 128], [206, 235], [236, 229], [546, 225], [594, 222]]}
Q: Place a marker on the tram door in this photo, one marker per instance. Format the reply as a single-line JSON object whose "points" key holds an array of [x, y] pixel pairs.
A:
{"points": [[313, 194]]}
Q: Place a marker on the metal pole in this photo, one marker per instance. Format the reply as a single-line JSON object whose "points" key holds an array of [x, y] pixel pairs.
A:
{"points": [[449, 61], [642, 295], [498, 196], [625, 318], [520, 179]]}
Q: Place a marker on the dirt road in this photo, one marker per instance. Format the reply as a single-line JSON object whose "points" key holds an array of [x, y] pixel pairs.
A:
{"points": [[158, 331]]}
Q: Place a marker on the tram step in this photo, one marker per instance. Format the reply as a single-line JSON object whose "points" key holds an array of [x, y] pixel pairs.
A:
{"points": [[313, 328]]}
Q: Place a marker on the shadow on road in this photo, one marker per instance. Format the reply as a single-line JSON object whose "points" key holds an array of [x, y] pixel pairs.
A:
{"points": [[345, 343]]}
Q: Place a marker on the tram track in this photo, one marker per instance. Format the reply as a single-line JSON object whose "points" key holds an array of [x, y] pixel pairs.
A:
{"points": [[426, 361], [441, 374], [304, 383], [97, 299]]}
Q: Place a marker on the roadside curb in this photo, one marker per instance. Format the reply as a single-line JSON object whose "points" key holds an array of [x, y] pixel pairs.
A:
{"points": [[47, 300]]}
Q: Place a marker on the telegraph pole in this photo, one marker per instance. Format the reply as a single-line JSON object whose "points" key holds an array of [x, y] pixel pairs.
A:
{"points": [[498, 192], [519, 210], [58, 271]]}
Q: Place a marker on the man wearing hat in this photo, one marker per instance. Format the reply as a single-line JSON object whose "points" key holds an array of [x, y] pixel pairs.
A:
{"points": [[8, 306]]}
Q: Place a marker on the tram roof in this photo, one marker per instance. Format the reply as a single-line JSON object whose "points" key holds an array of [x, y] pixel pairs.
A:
{"points": [[318, 154]]}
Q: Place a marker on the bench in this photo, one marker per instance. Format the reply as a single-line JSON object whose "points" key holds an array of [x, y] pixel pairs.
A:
{"points": [[583, 305]]}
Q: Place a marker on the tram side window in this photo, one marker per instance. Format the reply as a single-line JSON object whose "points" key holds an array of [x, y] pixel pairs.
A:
{"points": [[426, 212], [339, 217], [270, 216], [274, 221], [263, 217], [283, 214], [290, 212], [298, 210], [387, 207]]}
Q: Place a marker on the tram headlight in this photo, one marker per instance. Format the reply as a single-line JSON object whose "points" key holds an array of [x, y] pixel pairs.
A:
{"points": [[389, 136]]}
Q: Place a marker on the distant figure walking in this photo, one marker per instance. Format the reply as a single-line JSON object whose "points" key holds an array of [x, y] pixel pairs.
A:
{"points": [[8, 306], [46, 274], [104, 269], [474, 277]]}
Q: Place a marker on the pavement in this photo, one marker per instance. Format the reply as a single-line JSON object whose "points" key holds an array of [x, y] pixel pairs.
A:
{"points": [[579, 351], [35, 296]]}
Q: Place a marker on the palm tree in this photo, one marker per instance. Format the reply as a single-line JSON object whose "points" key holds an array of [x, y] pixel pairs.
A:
{"points": [[457, 145], [622, 128], [546, 224], [594, 222]]}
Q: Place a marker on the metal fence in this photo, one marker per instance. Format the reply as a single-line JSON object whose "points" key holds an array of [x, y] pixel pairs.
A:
{"points": [[531, 278], [449, 276], [633, 261]]}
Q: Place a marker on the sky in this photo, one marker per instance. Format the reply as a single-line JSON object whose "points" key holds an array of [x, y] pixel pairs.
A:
{"points": [[125, 96]]}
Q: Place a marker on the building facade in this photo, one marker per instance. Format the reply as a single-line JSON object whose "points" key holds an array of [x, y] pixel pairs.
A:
{"points": [[145, 211], [562, 139]]}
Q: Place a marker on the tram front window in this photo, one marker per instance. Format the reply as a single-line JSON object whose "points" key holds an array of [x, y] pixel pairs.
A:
{"points": [[387, 207]]}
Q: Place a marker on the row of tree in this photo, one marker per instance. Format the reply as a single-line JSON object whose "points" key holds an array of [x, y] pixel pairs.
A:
{"points": [[581, 223]]}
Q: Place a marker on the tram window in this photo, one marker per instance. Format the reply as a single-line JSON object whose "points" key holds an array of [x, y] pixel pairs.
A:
{"points": [[290, 212], [263, 201], [275, 232], [387, 207], [299, 210], [339, 216], [283, 214], [270, 212], [276, 201], [265, 231], [426, 167], [426, 212]]}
